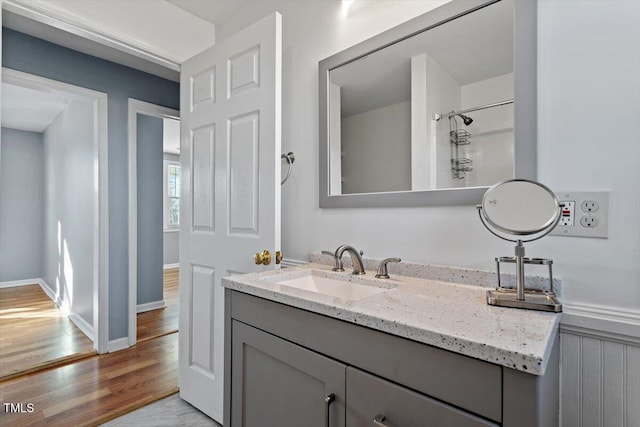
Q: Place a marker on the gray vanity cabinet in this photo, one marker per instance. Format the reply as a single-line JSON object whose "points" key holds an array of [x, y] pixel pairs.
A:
{"points": [[277, 383], [282, 362]]}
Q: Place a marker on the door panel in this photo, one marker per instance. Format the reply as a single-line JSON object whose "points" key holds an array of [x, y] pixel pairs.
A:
{"points": [[245, 169], [230, 155], [202, 298], [203, 175]]}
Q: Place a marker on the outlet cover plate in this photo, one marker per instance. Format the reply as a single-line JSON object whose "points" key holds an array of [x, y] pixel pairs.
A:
{"points": [[581, 216]]}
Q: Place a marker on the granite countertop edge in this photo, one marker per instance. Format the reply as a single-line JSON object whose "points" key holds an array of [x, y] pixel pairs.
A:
{"points": [[525, 347]]}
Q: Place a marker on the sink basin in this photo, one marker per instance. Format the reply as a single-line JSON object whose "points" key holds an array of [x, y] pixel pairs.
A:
{"points": [[336, 287]]}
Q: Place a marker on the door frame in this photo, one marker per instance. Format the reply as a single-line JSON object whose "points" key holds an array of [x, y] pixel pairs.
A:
{"points": [[136, 106], [99, 331]]}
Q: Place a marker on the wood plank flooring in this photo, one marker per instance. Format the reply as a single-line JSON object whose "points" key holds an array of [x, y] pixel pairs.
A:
{"points": [[97, 389], [163, 321], [100, 388], [34, 333]]}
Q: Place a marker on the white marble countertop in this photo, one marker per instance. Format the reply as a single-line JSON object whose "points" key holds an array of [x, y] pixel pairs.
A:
{"points": [[450, 316]]}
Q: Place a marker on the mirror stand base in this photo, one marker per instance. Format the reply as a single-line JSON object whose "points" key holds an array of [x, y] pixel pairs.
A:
{"points": [[533, 300]]}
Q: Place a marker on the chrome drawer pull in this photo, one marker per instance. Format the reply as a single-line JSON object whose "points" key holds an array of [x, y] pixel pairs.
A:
{"points": [[379, 421], [327, 403]]}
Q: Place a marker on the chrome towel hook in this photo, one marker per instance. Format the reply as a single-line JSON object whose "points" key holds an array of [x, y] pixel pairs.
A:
{"points": [[290, 158]]}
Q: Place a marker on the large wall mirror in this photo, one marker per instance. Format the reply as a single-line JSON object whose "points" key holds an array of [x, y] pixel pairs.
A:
{"points": [[432, 112]]}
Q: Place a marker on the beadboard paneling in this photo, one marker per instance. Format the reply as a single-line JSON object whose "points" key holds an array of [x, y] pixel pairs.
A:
{"points": [[600, 382]]}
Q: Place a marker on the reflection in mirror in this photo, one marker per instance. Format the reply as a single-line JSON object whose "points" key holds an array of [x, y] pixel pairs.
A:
{"points": [[432, 111]]}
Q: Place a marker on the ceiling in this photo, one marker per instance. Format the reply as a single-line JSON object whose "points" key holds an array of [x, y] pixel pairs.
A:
{"points": [[31, 110], [213, 11], [154, 36]]}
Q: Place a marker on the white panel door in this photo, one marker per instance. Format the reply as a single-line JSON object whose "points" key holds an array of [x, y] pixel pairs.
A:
{"points": [[230, 209]]}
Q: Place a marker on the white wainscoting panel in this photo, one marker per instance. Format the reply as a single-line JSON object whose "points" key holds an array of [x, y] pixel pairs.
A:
{"points": [[600, 380]]}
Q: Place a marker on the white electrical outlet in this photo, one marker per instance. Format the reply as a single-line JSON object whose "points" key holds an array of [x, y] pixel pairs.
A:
{"points": [[568, 213], [585, 214]]}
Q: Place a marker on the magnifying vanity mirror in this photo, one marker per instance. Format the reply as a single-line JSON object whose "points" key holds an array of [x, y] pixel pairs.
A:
{"points": [[431, 112], [528, 211]]}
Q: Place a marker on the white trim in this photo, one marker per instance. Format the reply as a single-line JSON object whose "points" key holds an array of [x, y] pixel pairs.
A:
{"points": [[118, 344], [287, 262], [171, 230], [170, 266], [65, 23], [135, 107], [14, 283], [604, 322], [51, 294], [101, 194], [149, 306], [600, 335], [83, 325]]}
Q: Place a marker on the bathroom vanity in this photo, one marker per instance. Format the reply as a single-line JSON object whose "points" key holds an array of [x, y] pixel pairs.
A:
{"points": [[407, 352]]}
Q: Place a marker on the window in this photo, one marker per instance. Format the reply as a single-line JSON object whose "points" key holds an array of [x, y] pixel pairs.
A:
{"points": [[171, 195]]}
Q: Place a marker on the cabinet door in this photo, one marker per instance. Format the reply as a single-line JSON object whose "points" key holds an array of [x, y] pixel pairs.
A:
{"points": [[277, 383], [369, 396]]}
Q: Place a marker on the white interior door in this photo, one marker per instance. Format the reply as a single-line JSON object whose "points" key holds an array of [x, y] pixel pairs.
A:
{"points": [[230, 158]]}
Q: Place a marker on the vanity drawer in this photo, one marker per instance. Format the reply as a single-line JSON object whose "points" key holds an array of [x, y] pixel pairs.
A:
{"points": [[369, 396]]}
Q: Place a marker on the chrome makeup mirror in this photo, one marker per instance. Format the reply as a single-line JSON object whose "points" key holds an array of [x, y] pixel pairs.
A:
{"points": [[529, 211]]}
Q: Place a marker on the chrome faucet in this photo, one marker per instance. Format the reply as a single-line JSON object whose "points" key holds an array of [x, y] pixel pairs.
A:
{"points": [[356, 259], [337, 262], [382, 272]]}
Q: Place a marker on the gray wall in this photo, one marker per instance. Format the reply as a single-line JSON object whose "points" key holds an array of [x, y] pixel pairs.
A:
{"points": [[377, 150], [21, 204], [171, 239], [149, 168], [69, 208], [31, 55]]}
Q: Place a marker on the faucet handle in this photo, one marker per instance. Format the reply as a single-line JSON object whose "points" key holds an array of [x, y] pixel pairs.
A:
{"points": [[382, 272], [337, 262]]}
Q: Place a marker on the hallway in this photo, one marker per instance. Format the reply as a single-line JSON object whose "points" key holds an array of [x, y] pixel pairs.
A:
{"points": [[102, 387]]}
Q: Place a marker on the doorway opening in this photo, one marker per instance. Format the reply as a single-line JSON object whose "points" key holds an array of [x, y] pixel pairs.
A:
{"points": [[154, 220], [53, 222]]}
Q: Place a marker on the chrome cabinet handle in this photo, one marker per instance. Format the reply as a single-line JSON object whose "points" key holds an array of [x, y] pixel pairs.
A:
{"points": [[379, 421], [327, 404]]}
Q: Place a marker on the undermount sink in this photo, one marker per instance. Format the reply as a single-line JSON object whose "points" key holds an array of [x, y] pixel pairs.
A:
{"points": [[318, 282]]}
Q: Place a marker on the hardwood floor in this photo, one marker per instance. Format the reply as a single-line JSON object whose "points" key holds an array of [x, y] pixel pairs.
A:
{"points": [[97, 389], [34, 333], [163, 321], [100, 388]]}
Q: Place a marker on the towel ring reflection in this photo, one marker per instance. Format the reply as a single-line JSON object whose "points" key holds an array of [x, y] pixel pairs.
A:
{"points": [[290, 158]]}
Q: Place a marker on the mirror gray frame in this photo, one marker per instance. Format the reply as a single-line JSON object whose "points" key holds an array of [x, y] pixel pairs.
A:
{"points": [[525, 106]]}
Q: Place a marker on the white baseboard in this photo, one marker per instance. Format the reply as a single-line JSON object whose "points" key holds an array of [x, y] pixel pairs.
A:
{"points": [[83, 325], [118, 344], [153, 305], [602, 322], [13, 283], [50, 293], [169, 266]]}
